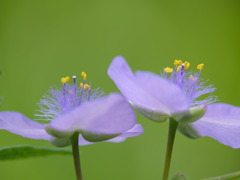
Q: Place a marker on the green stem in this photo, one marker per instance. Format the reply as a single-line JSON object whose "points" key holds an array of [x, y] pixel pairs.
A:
{"points": [[171, 136], [76, 157]]}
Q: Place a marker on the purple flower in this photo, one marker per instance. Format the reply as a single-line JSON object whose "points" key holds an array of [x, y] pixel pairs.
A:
{"points": [[177, 93], [72, 109]]}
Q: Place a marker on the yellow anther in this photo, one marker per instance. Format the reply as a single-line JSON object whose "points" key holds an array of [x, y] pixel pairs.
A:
{"points": [[177, 62], [200, 66], [168, 70], [186, 64], [70, 92], [81, 85], [63, 80], [179, 68], [67, 79], [86, 87], [84, 75]]}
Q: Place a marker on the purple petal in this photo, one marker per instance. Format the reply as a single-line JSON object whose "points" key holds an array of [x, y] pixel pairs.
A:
{"points": [[99, 120], [155, 97], [169, 94], [19, 124], [221, 122]]}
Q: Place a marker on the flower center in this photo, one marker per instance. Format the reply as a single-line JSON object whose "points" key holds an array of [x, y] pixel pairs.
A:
{"points": [[190, 82], [72, 95], [59, 101]]}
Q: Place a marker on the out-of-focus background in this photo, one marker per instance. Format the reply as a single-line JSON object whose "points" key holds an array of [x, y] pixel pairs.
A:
{"points": [[42, 41]]}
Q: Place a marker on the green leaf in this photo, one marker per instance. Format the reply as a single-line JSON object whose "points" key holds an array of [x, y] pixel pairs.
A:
{"points": [[231, 176], [25, 151], [179, 177]]}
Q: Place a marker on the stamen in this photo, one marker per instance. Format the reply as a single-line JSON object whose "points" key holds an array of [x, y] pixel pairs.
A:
{"points": [[69, 96], [89, 94], [81, 96], [86, 87], [186, 65], [179, 68], [74, 79], [200, 66], [177, 62], [192, 85], [82, 92], [65, 80], [74, 86], [168, 70], [84, 75], [81, 85]]}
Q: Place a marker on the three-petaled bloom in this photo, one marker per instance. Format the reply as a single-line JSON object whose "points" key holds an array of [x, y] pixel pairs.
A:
{"points": [[74, 109], [175, 94]]}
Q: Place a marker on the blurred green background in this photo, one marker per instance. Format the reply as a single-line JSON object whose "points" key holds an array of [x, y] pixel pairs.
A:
{"points": [[41, 41]]}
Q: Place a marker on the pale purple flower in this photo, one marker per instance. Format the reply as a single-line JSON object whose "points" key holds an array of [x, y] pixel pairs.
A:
{"points": [[72, 109], [176, 93]]}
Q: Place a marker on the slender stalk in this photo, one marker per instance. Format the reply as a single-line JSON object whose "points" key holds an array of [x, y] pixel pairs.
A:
{"points": [[76, 157], [171, 136]]}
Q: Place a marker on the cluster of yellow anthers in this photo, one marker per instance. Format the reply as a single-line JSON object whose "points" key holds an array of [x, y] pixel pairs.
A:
{"points": [[82, 85], [179, 65]]}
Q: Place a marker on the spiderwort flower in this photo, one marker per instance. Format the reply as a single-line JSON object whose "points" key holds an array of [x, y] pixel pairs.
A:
{"points": [[76, 109], [175, 94]]}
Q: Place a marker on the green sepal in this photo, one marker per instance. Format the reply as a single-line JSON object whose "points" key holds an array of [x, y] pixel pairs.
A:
{"points": [[194, 114], [61, 142], [231, 176], [62, 139], [93, 137], [25, 151], [187, 130], [153, 115], [58, 134], [179, 177]]}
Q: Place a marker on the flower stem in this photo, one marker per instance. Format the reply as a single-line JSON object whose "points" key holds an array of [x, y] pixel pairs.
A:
{"points": [[171, 136], [76, 157]]}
